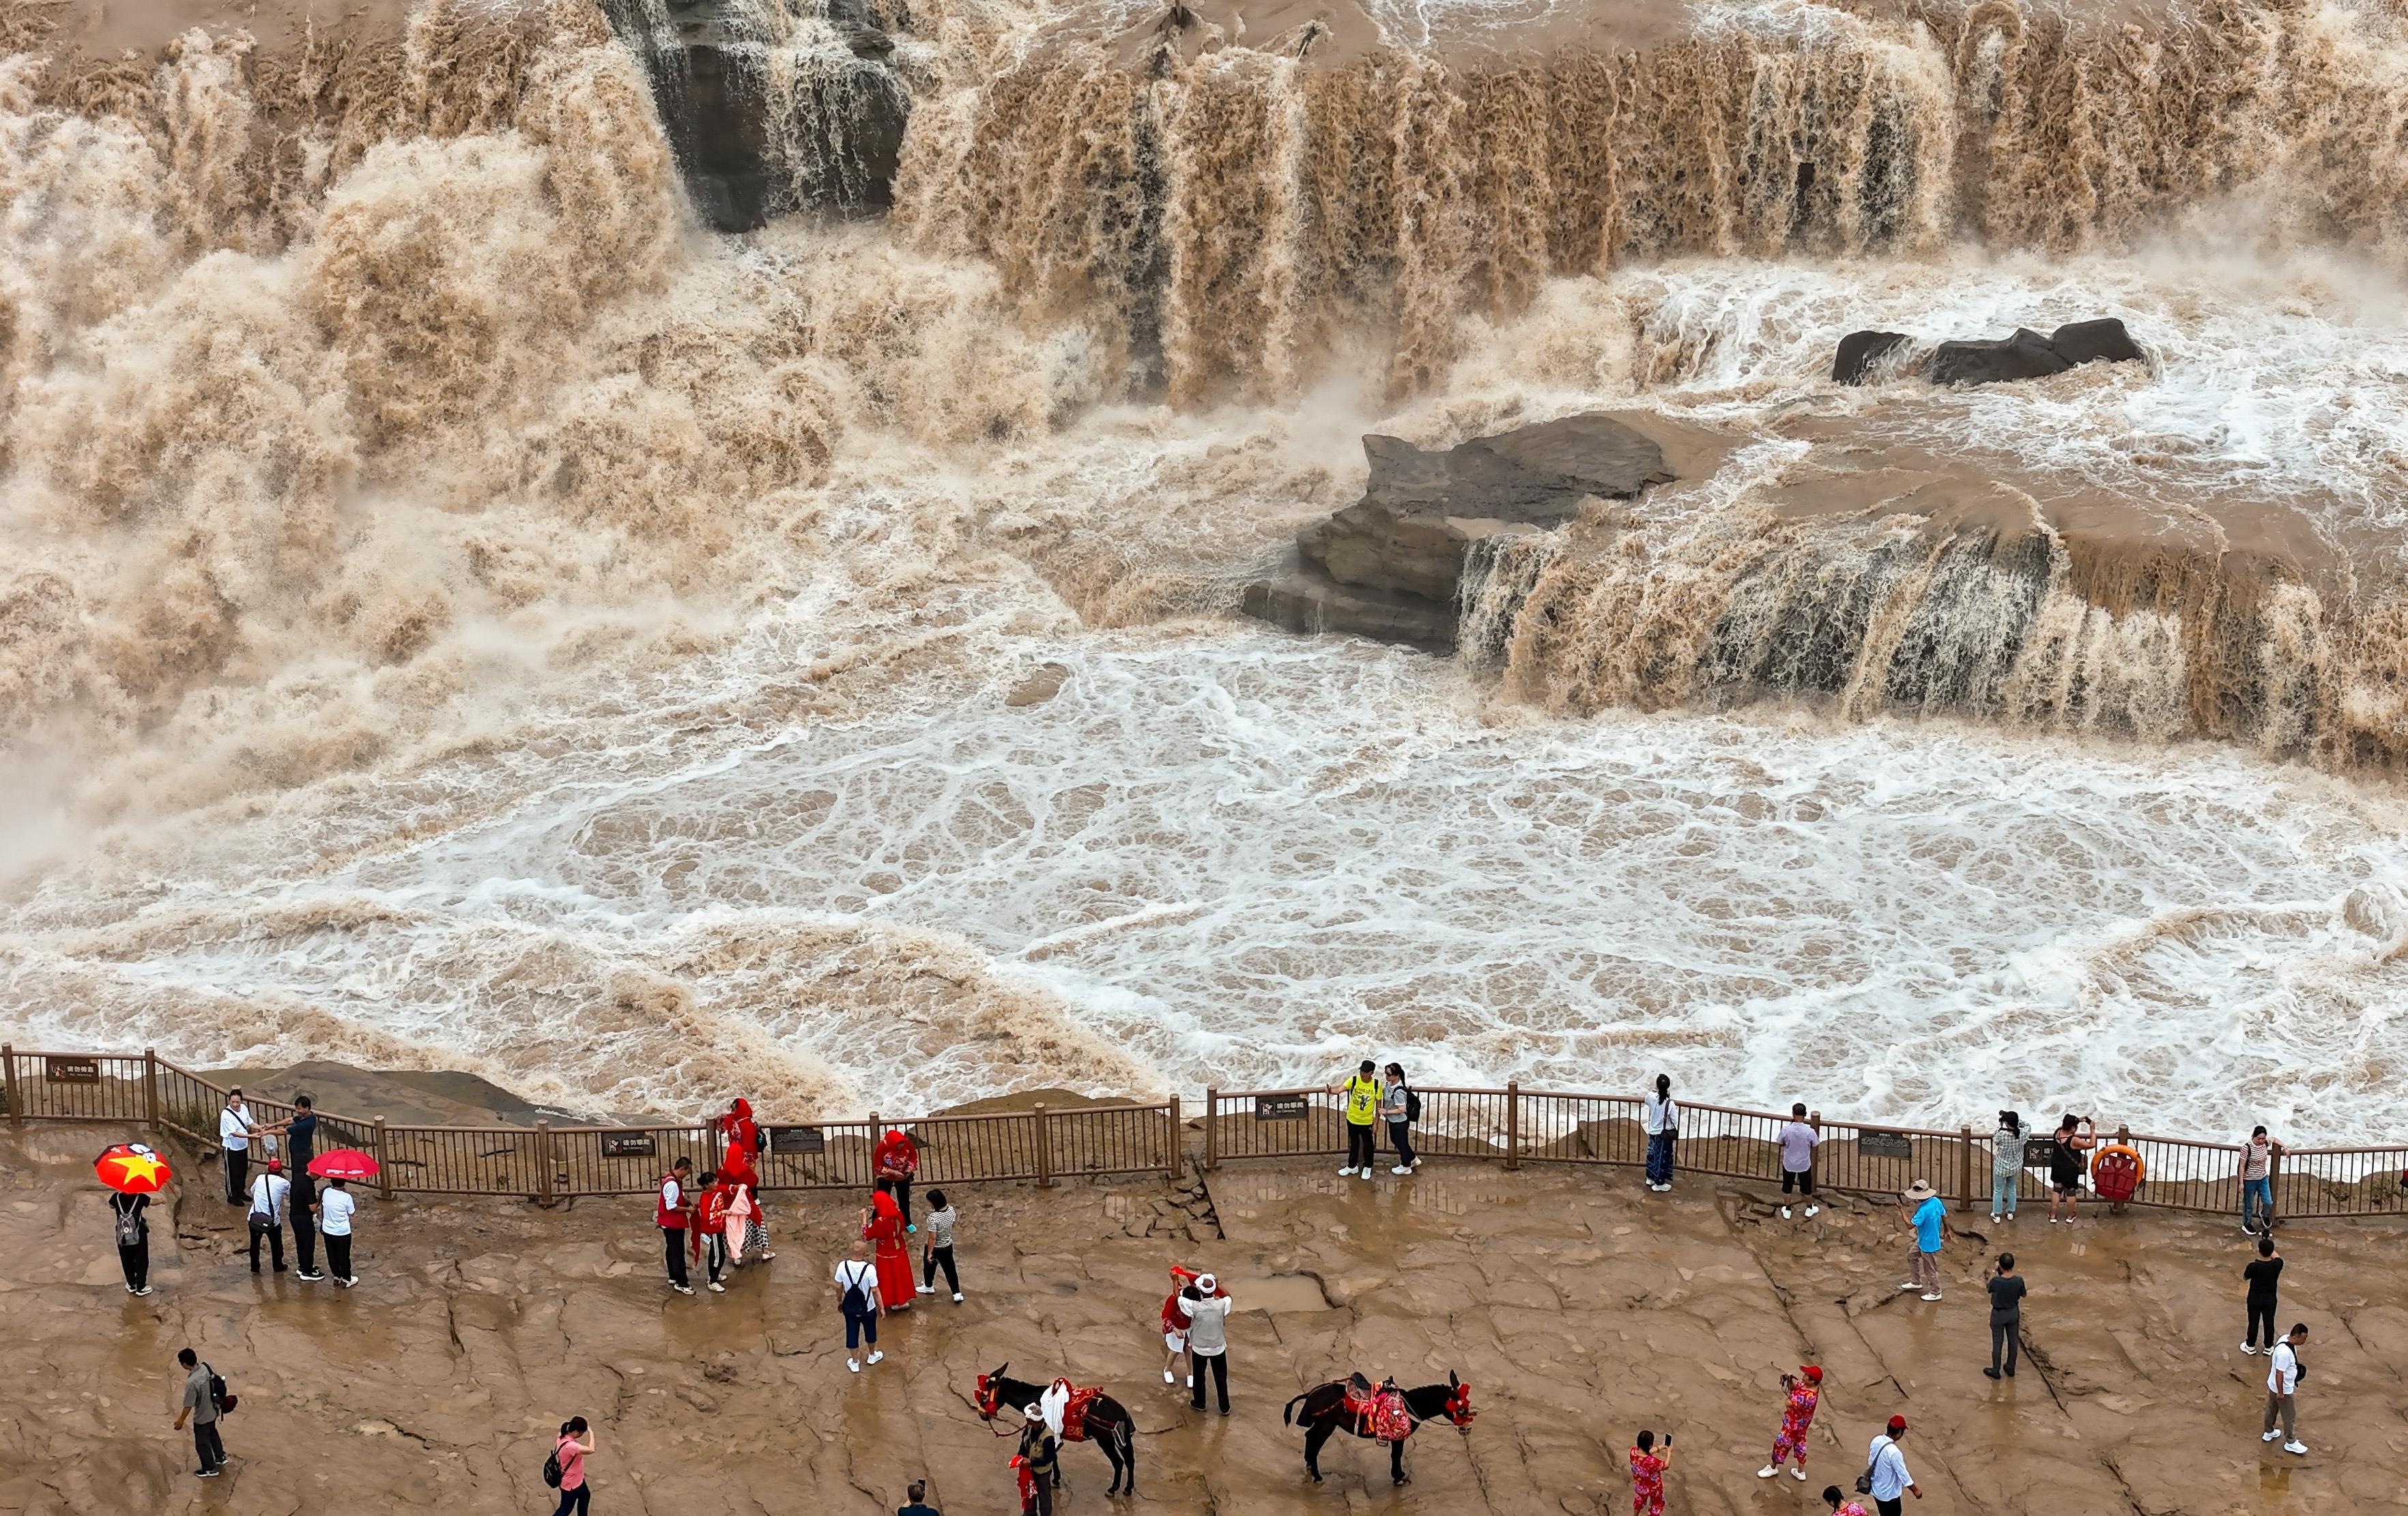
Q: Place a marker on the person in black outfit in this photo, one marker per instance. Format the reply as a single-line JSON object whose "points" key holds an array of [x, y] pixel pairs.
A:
{"points": [[2006, 1314], [127, 1220], [919, 1506], [2261, 1272], [301, 1145]]}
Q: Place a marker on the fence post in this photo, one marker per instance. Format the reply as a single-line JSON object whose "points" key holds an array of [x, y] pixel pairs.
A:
{"points": [[1044, 1147], [1170, 1149], [8, 1062], [1513, 1124], [384, 1164], [1211, 1128], [1965, 1168], [543, 1161], [150, 1087]]}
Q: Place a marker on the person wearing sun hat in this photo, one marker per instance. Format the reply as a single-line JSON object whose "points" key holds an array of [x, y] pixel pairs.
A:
{"points": [[1805, 1392], [1928, 1214]]}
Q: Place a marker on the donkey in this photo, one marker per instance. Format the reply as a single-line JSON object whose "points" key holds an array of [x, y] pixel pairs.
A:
{"points": [[1324, 1416], [1109, 1426]]}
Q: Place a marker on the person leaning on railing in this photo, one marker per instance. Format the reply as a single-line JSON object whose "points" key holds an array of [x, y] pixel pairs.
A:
{"points": [[2257, 1157]]}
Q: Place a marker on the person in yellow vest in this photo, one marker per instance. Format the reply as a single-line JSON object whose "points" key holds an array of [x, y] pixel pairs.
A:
{"points": [[1362, 1094]]}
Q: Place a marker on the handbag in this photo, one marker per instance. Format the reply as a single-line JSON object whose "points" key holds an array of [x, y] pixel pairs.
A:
{"points": [[1865, 1480]]}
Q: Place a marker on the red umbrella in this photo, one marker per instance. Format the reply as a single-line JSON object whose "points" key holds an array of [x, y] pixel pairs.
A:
{"points": [[343, 1164], [132, 1169]]}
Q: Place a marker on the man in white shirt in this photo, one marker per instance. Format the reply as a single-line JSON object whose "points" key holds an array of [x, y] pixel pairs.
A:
{"points": [[235, 1132], [271, 1203], [856, 1298], [1891, 1480], [2282, 1389], [335, 1208]]}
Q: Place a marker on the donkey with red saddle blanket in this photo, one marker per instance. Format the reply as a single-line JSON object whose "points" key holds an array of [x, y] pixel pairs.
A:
{"points": [[1090, 1416], [1385, 1413]]}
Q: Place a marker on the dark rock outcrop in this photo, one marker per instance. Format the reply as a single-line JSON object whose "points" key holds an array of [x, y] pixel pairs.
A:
{"points": [[2024, 355], [1860, 351], [750, 148], [1391, 565]]}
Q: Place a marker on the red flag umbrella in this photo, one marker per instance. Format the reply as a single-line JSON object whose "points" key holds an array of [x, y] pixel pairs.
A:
{"points": [[343, 1164], [133, 1168]]}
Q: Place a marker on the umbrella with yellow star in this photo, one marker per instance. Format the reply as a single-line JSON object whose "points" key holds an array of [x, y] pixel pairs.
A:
{"points": [[133, 1168]]}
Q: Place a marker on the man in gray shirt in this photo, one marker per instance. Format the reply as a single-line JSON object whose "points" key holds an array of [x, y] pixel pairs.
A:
{"points": [[201, 1408], [1208, 1338]]}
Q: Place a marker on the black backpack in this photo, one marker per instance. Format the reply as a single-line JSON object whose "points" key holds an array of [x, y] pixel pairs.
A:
{"points": [[856, 1301], [552, 1469], [219, 1397], [1413, 1104]]}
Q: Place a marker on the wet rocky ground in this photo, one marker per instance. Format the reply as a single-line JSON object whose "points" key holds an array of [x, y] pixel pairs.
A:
{"points": [[1579, 1307]]}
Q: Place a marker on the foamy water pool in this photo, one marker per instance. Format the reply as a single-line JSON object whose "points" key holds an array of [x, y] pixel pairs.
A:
{"points": [[1228, 857]]}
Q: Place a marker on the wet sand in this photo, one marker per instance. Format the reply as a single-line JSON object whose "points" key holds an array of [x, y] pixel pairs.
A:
{"points": [[1578, 1306]]}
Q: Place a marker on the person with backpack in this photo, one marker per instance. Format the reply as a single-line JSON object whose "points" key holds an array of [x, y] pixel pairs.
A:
{"points": [[1886, 1478], [336, 1205], [1661, 1119], [271, 1202], [672, 1209], [565, 1470], [2283, 1390], [205, 1401], [1362, 1093], [1401, 1107], [856, 1297], [132, 1230]]}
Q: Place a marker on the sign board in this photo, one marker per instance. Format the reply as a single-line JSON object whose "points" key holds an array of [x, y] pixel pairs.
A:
{"points": [[628, 1145], [71, 1070], [2040, 1153], [798, 1139], [1874, 1144], [1283, 1107]]}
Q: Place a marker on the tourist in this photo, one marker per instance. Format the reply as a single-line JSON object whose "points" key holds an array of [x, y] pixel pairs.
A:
{"points": [[1799, 1140], [271, 1203], [672, 1212], [937, 1246], [576, 1496], [1647, 1469], [738, 1131], [132, 1230], [2262, 1273], [334, 1209], [2257, 1157], [2282, 1391], [736, 1231], [856, 1296], [1038, 1462], [1887, 1468], [1661, 1119], [1362, 1093], [1175, 1323], [918, 1495], [1929, 1218], [897, 1159], [300, 1146], [709, 1230], [1803, 1394], [2007, 1145], [2006, 1314], [201, 1408], [1208, 1338], [235, 1132], [2075, 1137], [1841, 1505], [1400, 1107], [881, 1227]]}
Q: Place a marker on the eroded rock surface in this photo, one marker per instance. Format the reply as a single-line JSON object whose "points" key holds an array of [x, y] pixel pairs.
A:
{"points": [[2023, 355]]}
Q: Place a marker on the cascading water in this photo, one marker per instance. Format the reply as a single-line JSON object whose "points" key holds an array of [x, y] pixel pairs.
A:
{"points": [[456, 609]]}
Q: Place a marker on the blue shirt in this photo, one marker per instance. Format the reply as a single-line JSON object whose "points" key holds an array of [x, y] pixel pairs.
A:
{"points": [[1927, 1219], [1890, 1478]]}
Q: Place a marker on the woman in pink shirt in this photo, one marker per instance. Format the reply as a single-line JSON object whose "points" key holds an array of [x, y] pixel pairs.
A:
{"points": [[575, 1493]]}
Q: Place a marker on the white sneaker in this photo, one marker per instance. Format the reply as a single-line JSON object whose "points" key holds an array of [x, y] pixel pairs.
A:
{"points": [[1784, 1214], [1191, 1381], [716, 1288], [957, 1297], [853, 1363], [1812, 1210], [1168, 1378], [1799, 1474], [2270, 1437], [1402, 1168], [1346, 1173], [1996, 1217], [1910, 1284], [682, 1289], [1767, 1471], [928, 1289], [2250, 1349], [877, 1354], [2295, 1447], [1932, 1295]]}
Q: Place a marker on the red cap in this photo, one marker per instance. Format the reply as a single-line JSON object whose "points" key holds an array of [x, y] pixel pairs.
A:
{"points": [[276, 1166], [1898, 1423], [1813, 1375]]}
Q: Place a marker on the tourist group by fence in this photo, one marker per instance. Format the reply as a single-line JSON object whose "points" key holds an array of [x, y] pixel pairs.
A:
{"points": [[1510, 1126]]}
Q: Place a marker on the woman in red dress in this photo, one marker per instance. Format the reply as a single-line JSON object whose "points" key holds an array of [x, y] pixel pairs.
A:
{"points": [[882, 1225]]}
